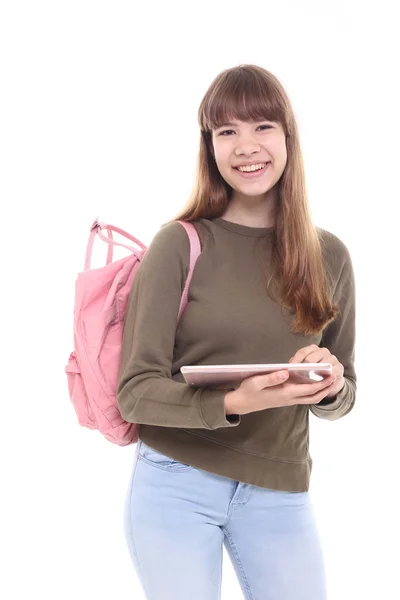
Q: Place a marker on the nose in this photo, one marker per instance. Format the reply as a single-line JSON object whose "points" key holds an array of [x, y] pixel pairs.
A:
{"points": [[246, 146]]}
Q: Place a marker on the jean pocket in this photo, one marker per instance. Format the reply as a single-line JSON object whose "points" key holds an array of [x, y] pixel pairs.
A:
{"points": [[161, 461]]}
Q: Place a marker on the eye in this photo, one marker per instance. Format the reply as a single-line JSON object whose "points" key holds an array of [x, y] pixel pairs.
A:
{"points": [[231, 131]]}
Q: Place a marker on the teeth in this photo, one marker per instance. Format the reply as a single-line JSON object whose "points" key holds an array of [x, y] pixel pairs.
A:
{"points": [[252, 167]]}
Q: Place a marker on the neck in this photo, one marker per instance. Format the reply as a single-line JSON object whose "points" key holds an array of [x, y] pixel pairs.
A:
{"points": [[253, 211]]}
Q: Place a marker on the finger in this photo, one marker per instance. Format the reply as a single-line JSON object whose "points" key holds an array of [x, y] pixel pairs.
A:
{"points": [[323, 355], [326, 357], [316, 356], [315, 398], [270, 379], [309, 389], [301, 354], [313, 357]]}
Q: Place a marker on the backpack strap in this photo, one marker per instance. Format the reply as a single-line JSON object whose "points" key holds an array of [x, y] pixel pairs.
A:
{"points": [[195, 251], [194, 240], [96, 229]]}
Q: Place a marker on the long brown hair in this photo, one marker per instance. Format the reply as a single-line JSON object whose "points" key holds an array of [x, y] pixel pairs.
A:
{"points": [[251, 93]]}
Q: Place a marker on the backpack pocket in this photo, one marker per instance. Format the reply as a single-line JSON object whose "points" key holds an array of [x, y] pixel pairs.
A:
{"points": [[78, 394], [101, 336]]}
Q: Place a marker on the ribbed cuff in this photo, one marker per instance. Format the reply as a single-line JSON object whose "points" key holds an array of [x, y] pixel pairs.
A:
{"points": [[337, 407], [212, 409]]}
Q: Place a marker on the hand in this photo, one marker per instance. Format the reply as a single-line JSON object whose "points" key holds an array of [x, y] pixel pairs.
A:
{"points": [[273, 390], [315, 354]]}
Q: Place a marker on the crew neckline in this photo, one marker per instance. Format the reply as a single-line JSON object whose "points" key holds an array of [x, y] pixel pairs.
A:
{"points": [[243, 229]]}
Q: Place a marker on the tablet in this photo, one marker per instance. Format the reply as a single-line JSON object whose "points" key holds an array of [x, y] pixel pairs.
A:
{"points": [[217, 375]]}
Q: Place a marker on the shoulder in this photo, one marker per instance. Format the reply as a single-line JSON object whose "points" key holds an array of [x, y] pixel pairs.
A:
{"points": [[338, 262], [334, 249], [168, 249], [174, 236], [170, 231], [171, 238]]}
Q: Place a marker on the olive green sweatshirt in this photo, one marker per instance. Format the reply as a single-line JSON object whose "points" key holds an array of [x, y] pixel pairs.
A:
{"points": [[229, 319]]}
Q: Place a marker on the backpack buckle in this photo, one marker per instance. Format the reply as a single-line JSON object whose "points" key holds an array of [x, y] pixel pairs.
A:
{"points": [[96, 224]]}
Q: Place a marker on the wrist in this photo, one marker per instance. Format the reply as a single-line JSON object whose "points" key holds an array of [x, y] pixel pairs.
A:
{"points": [[231, 403], [337, 388]]}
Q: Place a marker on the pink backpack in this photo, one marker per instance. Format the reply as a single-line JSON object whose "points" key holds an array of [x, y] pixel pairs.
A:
{"points": [[101, 297]]}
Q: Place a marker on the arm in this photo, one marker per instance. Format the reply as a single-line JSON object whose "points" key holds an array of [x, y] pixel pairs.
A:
{"points": [[146, 392], [339, 338]]}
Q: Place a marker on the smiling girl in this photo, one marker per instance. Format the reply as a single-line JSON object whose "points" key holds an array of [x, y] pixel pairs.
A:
{"points": [[231, 467]]}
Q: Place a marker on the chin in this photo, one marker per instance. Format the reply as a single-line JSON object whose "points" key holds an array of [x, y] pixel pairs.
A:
{"points": [[252, 192]]}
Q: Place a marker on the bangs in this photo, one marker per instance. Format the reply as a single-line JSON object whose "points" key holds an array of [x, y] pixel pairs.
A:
{"points": [[244, 96]]}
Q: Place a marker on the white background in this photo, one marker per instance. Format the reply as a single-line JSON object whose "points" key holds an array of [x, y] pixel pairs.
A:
{"points": [[99, 118]]}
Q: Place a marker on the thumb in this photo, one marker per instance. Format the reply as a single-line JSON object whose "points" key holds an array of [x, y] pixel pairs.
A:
{"points": [[271, 379]]}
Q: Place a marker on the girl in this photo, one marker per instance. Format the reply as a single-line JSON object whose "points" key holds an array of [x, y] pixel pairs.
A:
{"points": [[232, 466]]}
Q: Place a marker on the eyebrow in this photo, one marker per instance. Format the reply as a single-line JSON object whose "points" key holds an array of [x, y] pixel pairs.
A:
{"points": [[226, 125], [234, 124]]}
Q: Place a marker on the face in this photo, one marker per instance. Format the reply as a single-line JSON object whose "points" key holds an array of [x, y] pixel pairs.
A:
{"points": [[242, 143]]}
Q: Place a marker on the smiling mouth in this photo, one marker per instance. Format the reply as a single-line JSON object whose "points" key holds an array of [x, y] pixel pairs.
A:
{"points": [[253, 172], [253, 164]]}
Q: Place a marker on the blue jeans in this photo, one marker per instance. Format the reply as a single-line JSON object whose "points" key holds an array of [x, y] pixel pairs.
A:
{"points": [[178, 517]]}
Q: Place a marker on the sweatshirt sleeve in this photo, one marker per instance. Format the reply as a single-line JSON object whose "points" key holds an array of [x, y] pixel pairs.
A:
{"points": [[339, 337], [146, 392]]}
